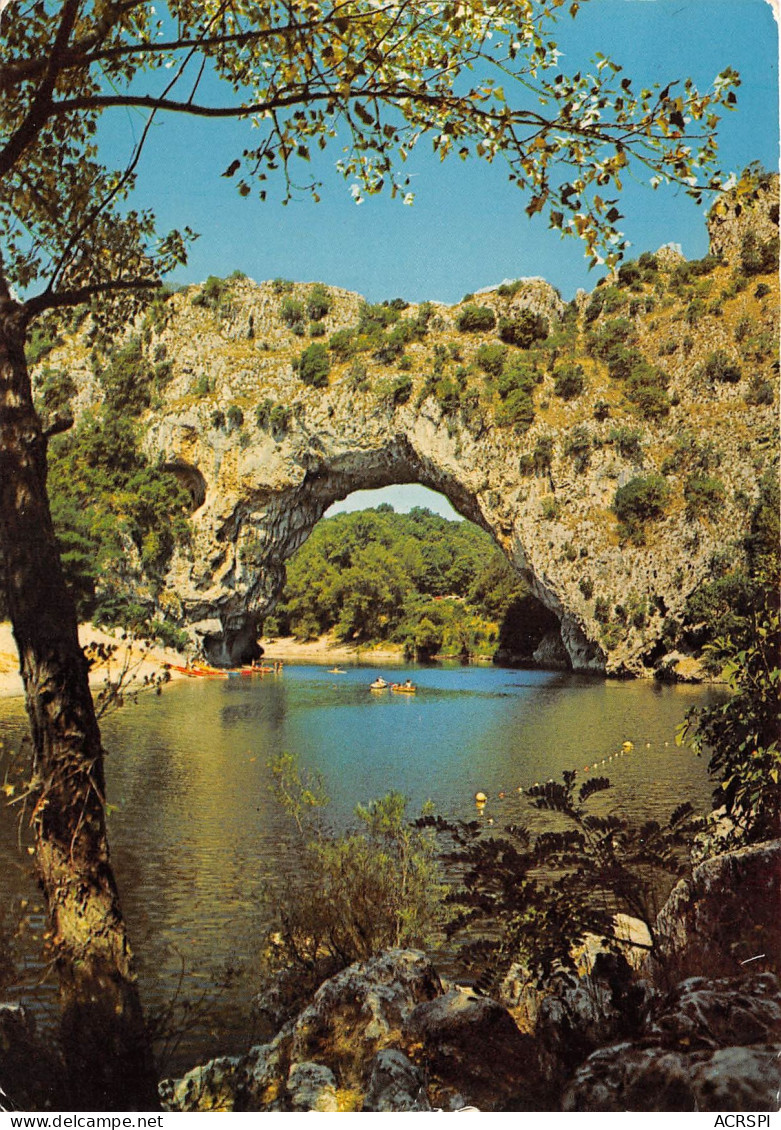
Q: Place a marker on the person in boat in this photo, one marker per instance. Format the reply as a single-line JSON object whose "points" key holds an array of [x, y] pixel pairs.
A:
{"points": [[408, 684]]}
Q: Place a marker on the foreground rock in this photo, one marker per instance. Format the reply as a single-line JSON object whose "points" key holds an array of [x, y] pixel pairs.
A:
{"points": [[707, 1046], [473, 1054], [724, 915], [382, 1035], [387, 1035]]}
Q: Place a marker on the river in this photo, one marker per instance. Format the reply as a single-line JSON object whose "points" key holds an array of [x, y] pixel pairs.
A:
{"points": [[197, 837]]}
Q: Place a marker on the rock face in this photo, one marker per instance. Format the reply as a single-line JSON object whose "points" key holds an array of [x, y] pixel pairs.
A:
{"points": [[362, 1010], [264, 454], [709, 1045], [474, 1054], [396, 1084], [381, 1035], [726, 914]]}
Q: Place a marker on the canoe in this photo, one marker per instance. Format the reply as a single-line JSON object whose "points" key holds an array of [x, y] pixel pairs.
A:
{"points": [[397, 688], [200, 672], [379, 685]]}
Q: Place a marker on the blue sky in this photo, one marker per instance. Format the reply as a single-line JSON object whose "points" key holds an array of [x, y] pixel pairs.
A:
{"points": [[467, 228]]}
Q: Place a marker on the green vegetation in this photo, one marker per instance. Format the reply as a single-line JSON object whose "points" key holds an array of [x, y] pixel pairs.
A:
{"points": [[720, 367], [314, 365], [382, 331], [579, 445], [55, 389], [130, 383], [292, 313], [318, 302], [475, 319], [704, 496], [346, 897], [491, 357], [523, 329], [642, 500], [758, 257], [44, 337], [629, 441], [533, 899], [414, 579], [214, 295], [740, 610], [106, 499], [569, 380]]}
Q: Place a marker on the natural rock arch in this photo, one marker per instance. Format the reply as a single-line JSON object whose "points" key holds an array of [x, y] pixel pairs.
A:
{"points": [[264, 454]]}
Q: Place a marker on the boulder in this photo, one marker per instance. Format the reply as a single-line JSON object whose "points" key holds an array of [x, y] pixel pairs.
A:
{"points": [[707, 1045], [473, 1053], [626, 1077], [311, 1086], [701, 1013], [396, 1084], [326, 1058], [361, 1010], [725, 915], [253, 1082], [586, 1012], [209, 1087]]}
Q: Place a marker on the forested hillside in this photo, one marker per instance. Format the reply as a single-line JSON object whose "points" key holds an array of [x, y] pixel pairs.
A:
{"points": [[416, 579]]}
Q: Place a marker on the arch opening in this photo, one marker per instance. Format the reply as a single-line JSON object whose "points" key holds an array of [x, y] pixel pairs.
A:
{"points": [[257, 515], [505, 620]]}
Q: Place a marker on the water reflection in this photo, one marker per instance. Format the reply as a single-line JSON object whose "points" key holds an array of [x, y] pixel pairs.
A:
{"points": [[197, 837]]}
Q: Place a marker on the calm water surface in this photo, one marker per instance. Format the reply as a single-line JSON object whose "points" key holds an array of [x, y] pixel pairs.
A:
{"points": [[197, 837]]}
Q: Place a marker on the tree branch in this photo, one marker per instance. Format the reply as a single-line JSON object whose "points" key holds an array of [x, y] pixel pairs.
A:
{"points": [[82, 55], [51, 300], [42, 102]]}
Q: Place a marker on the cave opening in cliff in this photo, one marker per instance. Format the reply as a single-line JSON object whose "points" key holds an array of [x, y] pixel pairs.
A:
{"points": [[399, 565]]}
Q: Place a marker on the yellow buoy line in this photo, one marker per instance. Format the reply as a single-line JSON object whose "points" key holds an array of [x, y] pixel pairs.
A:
{"points": [[481, 798]]}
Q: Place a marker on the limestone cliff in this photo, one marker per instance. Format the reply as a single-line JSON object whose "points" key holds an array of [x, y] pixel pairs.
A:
{"points": [[263, 453]]}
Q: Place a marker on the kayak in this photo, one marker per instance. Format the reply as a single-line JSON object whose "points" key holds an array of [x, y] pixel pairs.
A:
{"points": [[200, 672]]}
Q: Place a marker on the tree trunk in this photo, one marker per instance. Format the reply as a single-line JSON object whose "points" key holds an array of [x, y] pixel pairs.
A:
{"points": [[106, 1050]]}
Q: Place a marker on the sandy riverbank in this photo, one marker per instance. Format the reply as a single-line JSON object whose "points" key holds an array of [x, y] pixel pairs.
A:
{"points": [[327, 650], [141, 660]]}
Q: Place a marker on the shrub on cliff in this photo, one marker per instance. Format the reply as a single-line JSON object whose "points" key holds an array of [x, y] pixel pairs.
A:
{"points": [[523, 329], [314, 365], [641, 500], [720, 367], [318, 302], [646, 389], [476, 319], [291, 312], [758, 257], [569, 381], [704, 496], [491, 357], [517, 408]]}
